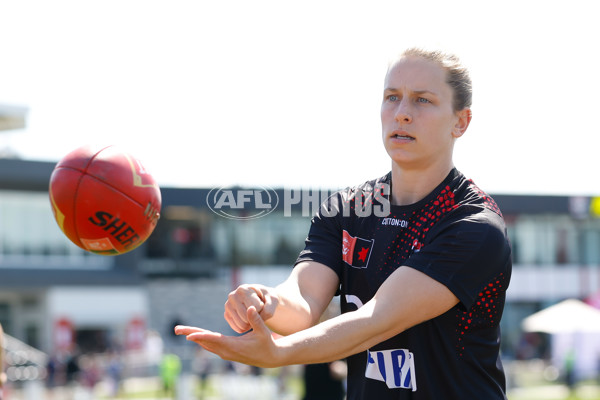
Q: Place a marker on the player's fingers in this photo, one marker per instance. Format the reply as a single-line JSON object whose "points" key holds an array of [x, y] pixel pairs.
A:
{"points": [[256, 322], [253, 299], [186, 330], [270, 304], [251, 295], [238, 302], [235, 322], [207, 339], [235, 312]]}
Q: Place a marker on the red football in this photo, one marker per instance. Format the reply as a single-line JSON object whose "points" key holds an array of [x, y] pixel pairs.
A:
{"points": [[104, 200]]}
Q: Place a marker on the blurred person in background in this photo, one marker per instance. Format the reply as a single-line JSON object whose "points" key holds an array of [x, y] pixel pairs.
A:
{"points": [[202, 366], [114, 372], [170, 368]]}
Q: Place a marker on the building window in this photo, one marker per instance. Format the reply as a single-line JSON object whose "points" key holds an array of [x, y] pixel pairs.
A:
{"points": [[545, 240], [590, 244], [5, 318], [28, 227]]}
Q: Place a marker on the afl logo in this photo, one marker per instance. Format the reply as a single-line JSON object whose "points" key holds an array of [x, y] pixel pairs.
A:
{"points": [[242, 204]]}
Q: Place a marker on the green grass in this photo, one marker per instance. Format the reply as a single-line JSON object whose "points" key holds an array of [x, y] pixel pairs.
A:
{"points": [[150, 389]]}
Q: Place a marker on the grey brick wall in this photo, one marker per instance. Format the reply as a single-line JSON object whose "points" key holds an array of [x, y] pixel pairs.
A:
{"points": [[196, 302]]}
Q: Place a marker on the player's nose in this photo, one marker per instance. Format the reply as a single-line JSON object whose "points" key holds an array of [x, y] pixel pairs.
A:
{"points": [[403, 113]]}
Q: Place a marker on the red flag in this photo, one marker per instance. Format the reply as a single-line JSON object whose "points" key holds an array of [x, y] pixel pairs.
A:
{"points": [[356, 251]]}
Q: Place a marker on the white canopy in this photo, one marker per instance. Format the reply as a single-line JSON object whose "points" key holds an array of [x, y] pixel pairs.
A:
{"points": [[568, 316]]}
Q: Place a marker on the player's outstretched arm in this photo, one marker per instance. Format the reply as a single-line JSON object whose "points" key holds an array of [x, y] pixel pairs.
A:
{"points": [[407, 298], [294, 305]]}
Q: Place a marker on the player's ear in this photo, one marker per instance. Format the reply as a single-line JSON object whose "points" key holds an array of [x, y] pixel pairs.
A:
{"points": [[462, 123]]}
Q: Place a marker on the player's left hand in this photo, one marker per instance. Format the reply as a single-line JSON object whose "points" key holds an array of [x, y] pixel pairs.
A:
{"points": [[257, 347]]}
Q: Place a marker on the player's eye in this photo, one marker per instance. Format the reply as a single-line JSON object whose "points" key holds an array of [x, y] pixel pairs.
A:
{"points": [[392, 97], [423, 100]]}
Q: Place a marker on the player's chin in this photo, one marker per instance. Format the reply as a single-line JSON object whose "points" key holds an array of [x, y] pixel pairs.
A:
{"points": [[402, 159], [398, 154]]}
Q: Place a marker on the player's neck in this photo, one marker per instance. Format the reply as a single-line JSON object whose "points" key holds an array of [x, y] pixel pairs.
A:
{"points": [[412, 185]]}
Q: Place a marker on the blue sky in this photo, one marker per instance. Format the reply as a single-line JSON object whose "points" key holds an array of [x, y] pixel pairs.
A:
{"points": [[287, 93]]}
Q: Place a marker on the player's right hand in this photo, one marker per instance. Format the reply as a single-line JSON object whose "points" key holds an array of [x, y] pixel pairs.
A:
{"points": [[263, 298]]}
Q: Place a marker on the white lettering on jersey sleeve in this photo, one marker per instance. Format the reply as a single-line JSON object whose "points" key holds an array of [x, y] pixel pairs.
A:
{"points": [[352, 299], [394, 367]]}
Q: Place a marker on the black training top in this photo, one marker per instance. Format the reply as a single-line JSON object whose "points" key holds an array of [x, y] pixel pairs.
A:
{"points": [[457, 236]]}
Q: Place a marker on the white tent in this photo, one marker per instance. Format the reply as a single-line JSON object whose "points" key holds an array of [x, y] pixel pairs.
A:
{"points": [[575, 327], [568, 316]]}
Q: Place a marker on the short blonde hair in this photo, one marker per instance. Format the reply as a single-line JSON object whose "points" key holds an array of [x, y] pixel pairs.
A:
{"points": [[457, 74]]}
